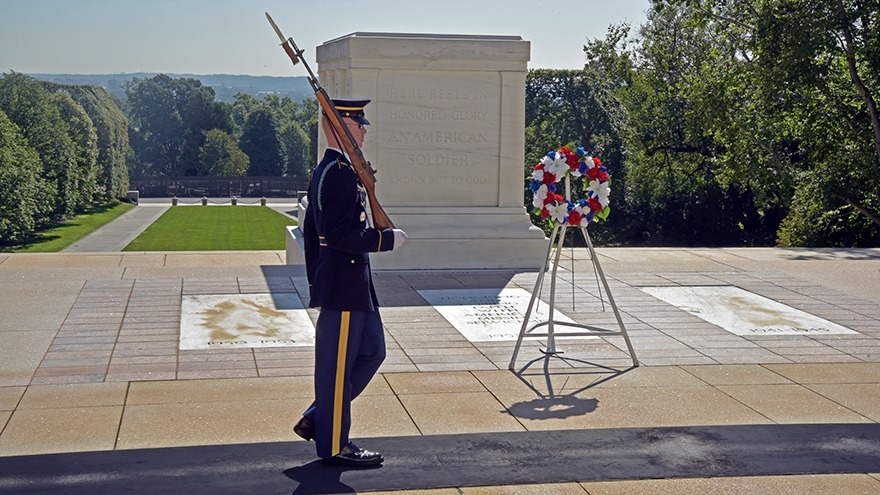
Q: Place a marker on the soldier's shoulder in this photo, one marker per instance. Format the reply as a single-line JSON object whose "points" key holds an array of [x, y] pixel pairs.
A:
{"points": [[340, 170]]}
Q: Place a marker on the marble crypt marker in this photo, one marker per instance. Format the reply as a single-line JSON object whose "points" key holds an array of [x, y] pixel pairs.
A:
{"points": [[244, 321]]}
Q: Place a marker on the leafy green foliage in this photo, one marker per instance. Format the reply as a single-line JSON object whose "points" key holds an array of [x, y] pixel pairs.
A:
{"points": [[24, 195], [298, 150], [747, 122], [824, 59], [261, 142], [84, 137], [79, 138], [296, 124], [221, 156], [111, 127], [169, 118], [29, 106]]}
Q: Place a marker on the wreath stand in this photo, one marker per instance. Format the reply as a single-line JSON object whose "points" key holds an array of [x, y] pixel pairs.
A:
{"points": [[557, 237]]}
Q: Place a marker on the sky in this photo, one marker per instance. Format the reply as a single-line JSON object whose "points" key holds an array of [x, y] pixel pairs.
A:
{"points": [[233, 36]]}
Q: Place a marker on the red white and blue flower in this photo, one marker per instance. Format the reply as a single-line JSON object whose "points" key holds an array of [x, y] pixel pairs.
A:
{"points": [[553, 168]]}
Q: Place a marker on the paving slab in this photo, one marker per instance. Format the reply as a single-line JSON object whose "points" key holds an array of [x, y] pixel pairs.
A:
{"points": [[861, 398], [74, 395], [208, 423], [219, 390], [792, 404], [65, 261], [40, 431], [433, 383], [745, 374], [377, 416], [37, 304], [461, 412], [829, 373], [9, 398], [21, 355]]}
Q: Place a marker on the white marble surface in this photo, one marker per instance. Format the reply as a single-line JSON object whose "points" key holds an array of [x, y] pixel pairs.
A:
{"points": [[744, 313], [244, 321], [491, 315], [447, 115]]}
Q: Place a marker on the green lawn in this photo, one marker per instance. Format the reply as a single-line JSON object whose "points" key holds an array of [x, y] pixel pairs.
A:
{"points": [[58, 237], [214, 228]]}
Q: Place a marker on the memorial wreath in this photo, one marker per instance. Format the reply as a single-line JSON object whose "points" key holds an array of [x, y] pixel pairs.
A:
{"points": [[552, 206]]}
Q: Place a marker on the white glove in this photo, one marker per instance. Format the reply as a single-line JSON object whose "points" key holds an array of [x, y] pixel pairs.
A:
{"points": [[399, 238]]}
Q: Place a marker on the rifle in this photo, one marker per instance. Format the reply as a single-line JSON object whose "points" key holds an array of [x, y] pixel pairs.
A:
{"points": [[365, 171]]}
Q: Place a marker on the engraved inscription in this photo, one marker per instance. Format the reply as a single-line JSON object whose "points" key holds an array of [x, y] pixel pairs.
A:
{"points": [[399, 93], [438, 159], [421, 114], [437, 137], [483, 315], [441, 131], [437, 180]]}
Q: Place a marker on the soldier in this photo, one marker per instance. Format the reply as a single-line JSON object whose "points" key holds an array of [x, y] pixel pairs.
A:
{"points": [[349, 342]]}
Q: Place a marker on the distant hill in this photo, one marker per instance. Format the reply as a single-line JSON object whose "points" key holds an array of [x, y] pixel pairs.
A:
{"points": [[225, 86]]}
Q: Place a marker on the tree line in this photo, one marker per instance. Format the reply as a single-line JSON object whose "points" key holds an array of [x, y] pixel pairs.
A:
{"points": [[64, 148], [746, 122], [177, 128]]}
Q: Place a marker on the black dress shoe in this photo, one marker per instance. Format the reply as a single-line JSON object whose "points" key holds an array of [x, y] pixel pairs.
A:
{"points": [[305, 428], [352, 456]]}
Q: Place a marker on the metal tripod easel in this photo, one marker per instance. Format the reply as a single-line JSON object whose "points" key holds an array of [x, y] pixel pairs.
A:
{"points": [[557, 237]]}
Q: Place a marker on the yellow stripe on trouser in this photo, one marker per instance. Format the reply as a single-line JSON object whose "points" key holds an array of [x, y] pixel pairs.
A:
{"points": [[341, 354]]}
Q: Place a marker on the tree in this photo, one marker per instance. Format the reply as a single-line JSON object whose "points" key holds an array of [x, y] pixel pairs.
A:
{"points": [[297, 149], [792, 87], [220, 155], [705, 164], [84, 177], [242, 107], [823, 58], [25, 197], [262, 144], [29, 106], [168, 120], [200, 113], [307, 117], [112, 130]]}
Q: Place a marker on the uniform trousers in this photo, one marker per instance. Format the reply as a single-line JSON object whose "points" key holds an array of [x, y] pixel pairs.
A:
{"points": [[349, 348]]}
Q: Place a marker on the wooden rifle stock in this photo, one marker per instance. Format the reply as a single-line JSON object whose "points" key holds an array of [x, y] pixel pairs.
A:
{"points": [[362, 167]]}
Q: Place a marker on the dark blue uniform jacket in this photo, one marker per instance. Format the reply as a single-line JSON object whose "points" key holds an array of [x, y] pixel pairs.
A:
{"points": [[338, 240]]}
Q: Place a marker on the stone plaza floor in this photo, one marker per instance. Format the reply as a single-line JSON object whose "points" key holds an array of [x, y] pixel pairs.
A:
{"points": [[90, 361]]}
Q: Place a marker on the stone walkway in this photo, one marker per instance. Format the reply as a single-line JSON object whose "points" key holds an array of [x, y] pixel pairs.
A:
{"points": [[90, 358]]}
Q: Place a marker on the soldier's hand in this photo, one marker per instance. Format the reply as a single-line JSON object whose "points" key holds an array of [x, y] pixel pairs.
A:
{"points": [[399, 238]]}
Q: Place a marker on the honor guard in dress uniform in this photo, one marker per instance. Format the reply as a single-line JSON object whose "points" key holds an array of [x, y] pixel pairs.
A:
{"points": [[349, 342]]}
